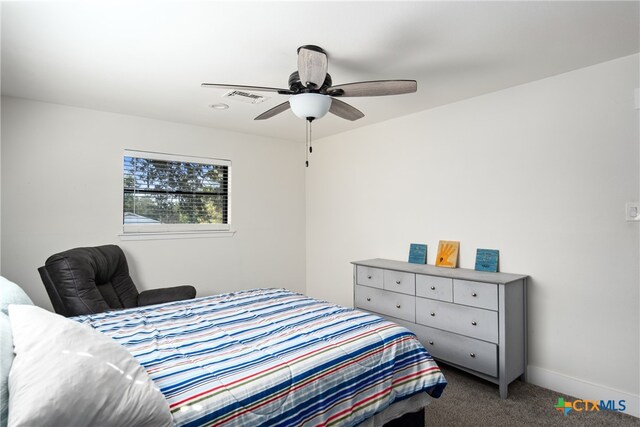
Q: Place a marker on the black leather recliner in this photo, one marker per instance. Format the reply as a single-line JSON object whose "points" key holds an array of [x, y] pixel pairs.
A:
{"points": [[92, 280]]}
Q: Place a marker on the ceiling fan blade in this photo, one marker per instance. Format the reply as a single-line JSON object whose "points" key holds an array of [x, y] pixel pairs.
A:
{"points": [[312, 66], [374, 88], [275, 110], [344, 110], [248, 88]]}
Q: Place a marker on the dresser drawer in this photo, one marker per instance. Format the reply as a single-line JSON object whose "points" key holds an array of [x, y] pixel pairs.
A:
{"points": [[474, 354], [384, 302], [369, 276], [398, 281], [469, 321], [440, 288], [476, 294]]}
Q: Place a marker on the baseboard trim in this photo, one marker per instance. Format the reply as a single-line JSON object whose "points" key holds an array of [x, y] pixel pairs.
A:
{"points": [[581, 389]]}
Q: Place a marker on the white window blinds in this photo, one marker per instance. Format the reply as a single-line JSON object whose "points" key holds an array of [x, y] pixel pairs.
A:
{"points": [[169, 193]]}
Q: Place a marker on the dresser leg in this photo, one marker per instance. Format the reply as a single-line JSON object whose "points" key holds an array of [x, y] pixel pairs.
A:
{"points": [[504, 390]]}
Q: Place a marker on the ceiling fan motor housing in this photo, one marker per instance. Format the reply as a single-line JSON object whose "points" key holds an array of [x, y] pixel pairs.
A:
{"points": [[296, 86]]}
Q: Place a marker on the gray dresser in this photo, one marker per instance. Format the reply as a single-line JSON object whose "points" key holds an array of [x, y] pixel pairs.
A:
{"points": [[473, 320]]}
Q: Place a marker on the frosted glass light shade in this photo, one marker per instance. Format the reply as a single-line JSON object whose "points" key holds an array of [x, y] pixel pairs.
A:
{"points": [[305, 105]]}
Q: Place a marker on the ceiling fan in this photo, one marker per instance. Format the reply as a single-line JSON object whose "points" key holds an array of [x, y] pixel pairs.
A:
{"points": [[312, 94]]}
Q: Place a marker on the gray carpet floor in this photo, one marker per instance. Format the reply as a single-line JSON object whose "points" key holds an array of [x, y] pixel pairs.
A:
{"points": [[471, 401]]}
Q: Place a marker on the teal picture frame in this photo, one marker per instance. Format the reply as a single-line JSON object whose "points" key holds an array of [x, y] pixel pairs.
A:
{"points": [[417, 253], [487, 260]]}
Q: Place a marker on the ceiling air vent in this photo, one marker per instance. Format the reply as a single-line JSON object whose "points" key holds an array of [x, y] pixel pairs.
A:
{"points": [[242, 96]]}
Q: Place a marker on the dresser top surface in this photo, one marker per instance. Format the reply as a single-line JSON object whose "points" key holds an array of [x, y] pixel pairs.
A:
{"points": [[432, 270]]}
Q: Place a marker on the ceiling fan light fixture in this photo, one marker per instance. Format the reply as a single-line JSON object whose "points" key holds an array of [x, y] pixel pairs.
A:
{"points": [[310, 105]]}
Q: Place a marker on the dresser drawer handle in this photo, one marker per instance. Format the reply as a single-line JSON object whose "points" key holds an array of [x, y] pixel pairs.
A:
{"points": [[368, 298], [474, 323], [397, 305], [432, 313], [433, 288], [474, 294], [430, 342], [368, 276], [472, 354], [397, 282]]}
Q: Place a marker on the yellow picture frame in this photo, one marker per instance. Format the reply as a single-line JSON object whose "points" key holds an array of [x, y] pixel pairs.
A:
{"points": [[447, 254]]}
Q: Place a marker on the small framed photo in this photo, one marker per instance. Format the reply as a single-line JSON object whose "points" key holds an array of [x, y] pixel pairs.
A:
{"points": [[447, 254], [487, 260], [417, 253]]}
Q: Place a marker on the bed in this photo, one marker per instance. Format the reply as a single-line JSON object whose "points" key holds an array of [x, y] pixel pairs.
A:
{"points": [[274, 357]]}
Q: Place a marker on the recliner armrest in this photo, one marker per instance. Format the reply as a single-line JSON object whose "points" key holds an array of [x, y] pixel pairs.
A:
{"points": [[159, 296]]}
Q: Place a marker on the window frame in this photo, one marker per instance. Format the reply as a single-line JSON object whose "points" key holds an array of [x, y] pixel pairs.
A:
{"points": [[160, 230]]}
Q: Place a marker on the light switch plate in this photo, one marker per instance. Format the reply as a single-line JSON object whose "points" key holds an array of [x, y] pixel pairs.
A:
{"points": [[632, 211]]}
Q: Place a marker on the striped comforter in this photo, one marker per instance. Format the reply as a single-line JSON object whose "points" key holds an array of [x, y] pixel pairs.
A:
{"points": [[272, 357]]}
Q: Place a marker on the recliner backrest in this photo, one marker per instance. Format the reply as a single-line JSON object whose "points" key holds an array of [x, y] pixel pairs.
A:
{"points": [[89, 280], [52, 291]]}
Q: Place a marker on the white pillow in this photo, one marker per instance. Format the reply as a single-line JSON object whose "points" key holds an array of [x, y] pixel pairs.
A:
{"points": [[10, 293], [67, 374]]}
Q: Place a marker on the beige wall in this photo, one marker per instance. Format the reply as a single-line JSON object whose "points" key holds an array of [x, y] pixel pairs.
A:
{"points": [[62, 188], [541, 172]]}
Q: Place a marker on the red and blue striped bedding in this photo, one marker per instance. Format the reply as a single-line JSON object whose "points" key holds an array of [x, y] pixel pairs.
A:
{"points": [[272, 357]]}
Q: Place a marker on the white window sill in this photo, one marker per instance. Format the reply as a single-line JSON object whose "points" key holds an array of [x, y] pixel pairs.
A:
{"points": [[176, 235]]}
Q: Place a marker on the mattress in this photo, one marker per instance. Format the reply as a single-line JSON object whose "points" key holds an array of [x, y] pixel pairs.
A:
{"points": [[272, 356]]}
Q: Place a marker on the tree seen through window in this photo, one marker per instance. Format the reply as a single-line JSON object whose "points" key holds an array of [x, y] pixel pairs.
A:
{"points": [[174, 192]]}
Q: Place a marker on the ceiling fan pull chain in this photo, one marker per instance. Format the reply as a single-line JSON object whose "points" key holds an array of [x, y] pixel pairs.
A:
{"points": [[310, 138], [306, 139]]}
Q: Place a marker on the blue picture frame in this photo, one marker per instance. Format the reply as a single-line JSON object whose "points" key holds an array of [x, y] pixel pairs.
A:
{"points": [[417, 253], [487, 260]]}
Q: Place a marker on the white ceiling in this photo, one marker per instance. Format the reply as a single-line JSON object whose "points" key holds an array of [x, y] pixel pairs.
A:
{"points": [[148, 58]]}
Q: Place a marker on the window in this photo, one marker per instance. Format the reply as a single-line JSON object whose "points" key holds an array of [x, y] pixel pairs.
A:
{"points": [[169, 193]]}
